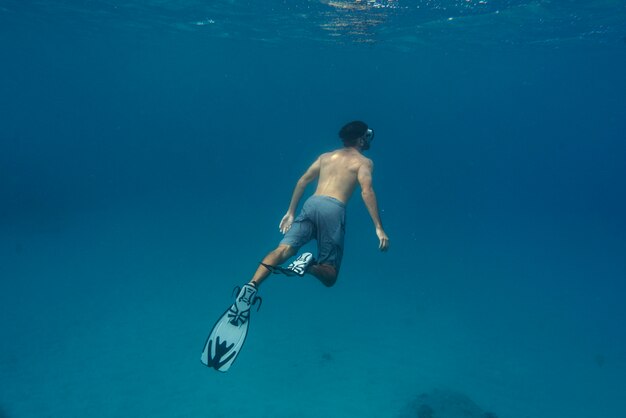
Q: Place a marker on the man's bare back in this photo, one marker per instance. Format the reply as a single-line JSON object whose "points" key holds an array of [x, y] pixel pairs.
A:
{"points": [[339, 173]]}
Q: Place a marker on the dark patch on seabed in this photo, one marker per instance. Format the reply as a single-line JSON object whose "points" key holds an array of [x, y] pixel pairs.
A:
{"points": [[600, 359], [326, 357], [444, 404]]}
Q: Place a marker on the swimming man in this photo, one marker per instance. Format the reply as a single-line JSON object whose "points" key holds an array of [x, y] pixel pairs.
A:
{"points": [[322, 218], [323, 215]]}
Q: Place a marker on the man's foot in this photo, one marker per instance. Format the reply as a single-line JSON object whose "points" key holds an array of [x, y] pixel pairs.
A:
{"points": [[300, 264], [239, 312], [246, 297]]}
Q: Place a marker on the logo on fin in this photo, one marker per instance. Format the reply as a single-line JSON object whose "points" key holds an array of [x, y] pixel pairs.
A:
{"points": [[221, 349]]}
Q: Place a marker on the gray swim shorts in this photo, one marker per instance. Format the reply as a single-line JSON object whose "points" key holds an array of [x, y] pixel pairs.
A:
{"points": [[322, 218]]}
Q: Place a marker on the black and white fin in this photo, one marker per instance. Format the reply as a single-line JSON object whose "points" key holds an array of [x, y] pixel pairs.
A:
{"points": [[229, 332]]}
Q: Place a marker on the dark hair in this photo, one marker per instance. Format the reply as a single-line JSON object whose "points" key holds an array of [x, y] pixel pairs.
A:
{"points": [[352, 131]]}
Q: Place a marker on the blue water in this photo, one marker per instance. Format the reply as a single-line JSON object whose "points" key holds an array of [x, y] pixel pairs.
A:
{"points": [[148, 151]]}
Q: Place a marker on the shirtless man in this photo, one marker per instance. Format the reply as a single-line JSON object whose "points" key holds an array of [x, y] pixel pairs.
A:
{"points": [[322, 218], [323, 214]]}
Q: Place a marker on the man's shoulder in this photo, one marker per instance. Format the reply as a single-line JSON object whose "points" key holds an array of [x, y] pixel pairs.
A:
{"points": [[367, 161], [334, 151], [329, 154], [354, 158]]}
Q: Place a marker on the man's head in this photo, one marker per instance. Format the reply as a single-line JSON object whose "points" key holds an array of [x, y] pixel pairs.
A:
{"points": [[356, 134]]}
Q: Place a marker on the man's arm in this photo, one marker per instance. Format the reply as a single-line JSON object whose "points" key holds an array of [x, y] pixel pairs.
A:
{"points": [[311, 174], [364, 177]]}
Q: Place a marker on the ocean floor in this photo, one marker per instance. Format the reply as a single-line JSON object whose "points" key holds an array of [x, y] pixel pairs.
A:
{"points": [[105, 315]]}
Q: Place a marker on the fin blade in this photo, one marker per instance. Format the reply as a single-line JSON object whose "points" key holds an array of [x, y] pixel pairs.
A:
{"points": [[224, 343]]}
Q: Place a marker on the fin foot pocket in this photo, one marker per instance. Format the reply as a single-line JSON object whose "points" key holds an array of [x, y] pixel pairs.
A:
{"points": [[301, 264]]}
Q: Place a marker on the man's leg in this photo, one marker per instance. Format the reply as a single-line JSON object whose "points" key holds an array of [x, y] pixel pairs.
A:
{"points": [[274, 258], [325, 273]]}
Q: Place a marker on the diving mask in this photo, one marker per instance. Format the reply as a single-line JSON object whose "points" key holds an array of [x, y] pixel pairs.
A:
{"points": [[367, 139]]}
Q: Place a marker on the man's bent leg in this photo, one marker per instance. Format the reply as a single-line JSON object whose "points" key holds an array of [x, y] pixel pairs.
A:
{"points": [[274, 258], [325, 273]]}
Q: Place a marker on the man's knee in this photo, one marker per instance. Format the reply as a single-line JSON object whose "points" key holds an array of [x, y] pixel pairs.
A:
{"points": [[326, 273]]}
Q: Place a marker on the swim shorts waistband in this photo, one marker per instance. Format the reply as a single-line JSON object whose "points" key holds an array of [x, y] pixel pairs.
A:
{"points": [[329, 199]]}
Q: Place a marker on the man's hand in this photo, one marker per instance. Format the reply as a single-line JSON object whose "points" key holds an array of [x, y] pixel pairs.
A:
{"points": [[286, 222], [383, 239]]}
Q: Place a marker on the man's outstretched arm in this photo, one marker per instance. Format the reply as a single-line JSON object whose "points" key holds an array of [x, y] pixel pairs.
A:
{"points": [[311, 174], [369, 197]]}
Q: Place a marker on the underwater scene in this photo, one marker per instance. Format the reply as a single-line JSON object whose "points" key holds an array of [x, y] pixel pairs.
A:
{"points": [[149, 150]]}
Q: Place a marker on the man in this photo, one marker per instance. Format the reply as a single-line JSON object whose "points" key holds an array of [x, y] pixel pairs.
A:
{"points": [[323, 214], [322, 218]]}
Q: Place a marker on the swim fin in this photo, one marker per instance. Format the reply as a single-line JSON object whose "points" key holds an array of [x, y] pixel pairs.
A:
{"points": [[297, 268], [229, 332]]}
